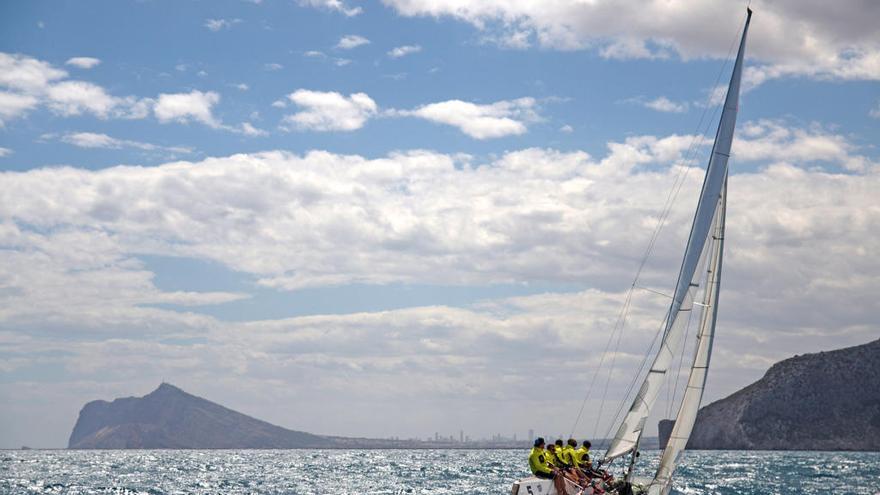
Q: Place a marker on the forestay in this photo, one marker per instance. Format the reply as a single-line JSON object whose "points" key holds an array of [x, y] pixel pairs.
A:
{"points": [[693, 394], [631, 428]]}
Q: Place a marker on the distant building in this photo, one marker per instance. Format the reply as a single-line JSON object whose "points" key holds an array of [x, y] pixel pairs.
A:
{"points": [[531, 436]]}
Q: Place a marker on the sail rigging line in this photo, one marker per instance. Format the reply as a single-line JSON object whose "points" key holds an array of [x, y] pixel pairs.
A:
{"points": [[635, 378], [626, 303], [674, 388], [678, 183]]}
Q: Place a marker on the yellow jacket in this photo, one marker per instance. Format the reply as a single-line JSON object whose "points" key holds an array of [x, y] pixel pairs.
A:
{"points": [[581, 456], [568, 456], [538, 461]]}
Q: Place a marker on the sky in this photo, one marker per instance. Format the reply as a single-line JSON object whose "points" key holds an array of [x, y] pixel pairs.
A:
{"points": [[404, 217]]}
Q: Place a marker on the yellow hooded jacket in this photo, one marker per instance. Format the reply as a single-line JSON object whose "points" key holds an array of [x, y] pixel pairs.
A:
{"points": [[538, 461]]}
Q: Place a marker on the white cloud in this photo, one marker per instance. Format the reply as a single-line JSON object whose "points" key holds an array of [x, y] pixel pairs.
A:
{"points": [[272, 66], [819, 40], [76, 97], [402, 51], [772, 141], [350, 41], [33, 83], [5, 152], [23, 73], [330, 111], [186, 107], [248, 129], [314, 54], [664, 104], [218, 24], [566, 129], [83, 62], [333, 5], [97, 140], [499, 119], [242, 87], [341, 62], [875, 112], [798, 272], [13, 105]]}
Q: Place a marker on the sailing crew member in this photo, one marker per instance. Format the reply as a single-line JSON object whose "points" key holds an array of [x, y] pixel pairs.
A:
{"points": [[541, 467], [573, 458], [562, 455], [555, 456], [582, 456]]}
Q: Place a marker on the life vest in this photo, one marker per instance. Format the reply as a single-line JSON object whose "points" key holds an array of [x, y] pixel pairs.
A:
{"points": [[582, 456], [538, 461], [569, 455]]}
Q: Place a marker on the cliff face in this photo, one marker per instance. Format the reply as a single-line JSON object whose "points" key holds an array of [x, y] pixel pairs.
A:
{"points": [[173, 419], [824, 401]]}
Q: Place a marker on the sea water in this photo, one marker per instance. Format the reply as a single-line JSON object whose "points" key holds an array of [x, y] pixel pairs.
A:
{"points": [[457, 472]]}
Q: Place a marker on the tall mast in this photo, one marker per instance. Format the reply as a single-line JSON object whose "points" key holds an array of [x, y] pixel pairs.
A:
{"points": [[693, 392], [627, 436]]}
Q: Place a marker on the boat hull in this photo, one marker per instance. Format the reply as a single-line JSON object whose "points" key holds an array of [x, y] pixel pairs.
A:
{"points": [[540, 486]]}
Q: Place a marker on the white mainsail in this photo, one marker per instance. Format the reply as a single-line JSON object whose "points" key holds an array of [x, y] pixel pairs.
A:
{"points": [[630, 431], [693, 394]]}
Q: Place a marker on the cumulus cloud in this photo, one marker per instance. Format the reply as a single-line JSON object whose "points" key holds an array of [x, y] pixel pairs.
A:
{"points": [[219, 24], [771, 140], [350, 41], [825, 41], [83, 62], [5, 152], [875, 112], [402, 51], [27, 74], [330, 111], [31, 83], [99, 140], [76, 97], [664, 104], [333, 5], [273, 66], [13, 105], [248, 129], [186, 107], [797, 273], [499, 119]]}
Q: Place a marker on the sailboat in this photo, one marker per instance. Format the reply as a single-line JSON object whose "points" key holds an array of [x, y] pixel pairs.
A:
{"points": [[696, 290]]}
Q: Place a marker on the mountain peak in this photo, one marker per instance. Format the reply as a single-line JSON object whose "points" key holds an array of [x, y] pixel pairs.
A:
{"points": [[169, 418], [166, 387]]}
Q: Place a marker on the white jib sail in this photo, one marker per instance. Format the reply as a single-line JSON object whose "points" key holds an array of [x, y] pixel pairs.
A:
{"points": [[631, 428], [693, 394]]}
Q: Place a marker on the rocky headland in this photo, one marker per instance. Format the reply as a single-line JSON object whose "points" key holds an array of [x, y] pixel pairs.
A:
{"points": [[823, 401]]}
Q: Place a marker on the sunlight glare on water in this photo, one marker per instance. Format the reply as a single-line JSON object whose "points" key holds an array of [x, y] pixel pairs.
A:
{"points": [[167, 472]]}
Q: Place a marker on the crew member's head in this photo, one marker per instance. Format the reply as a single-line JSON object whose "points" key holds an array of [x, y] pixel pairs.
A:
{"points": [[587, 444], [539, 442], [572, 442]]}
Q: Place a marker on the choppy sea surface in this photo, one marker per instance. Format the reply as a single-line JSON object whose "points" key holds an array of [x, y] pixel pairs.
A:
{"points": [[404, 472]]}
